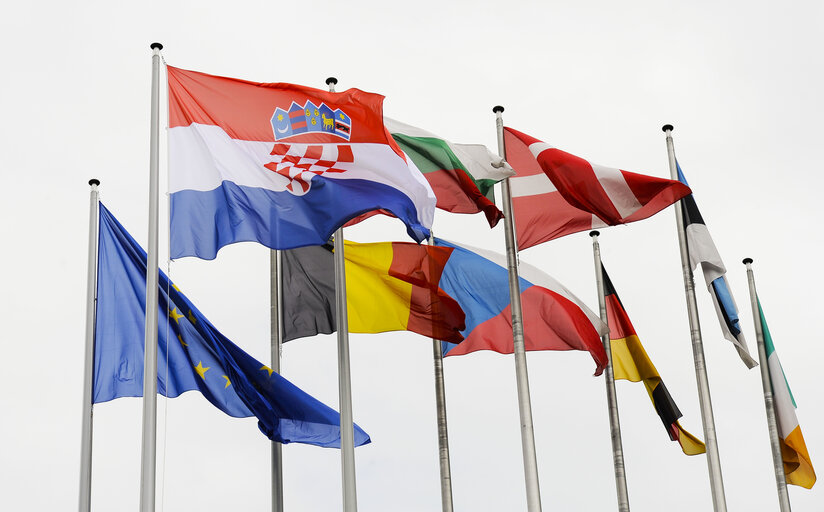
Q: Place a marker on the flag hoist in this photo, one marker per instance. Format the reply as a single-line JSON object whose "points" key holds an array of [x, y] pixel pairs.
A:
{"points": [[713, 460], [612, 400], [148, 458], [533, 489], [276, 332]]}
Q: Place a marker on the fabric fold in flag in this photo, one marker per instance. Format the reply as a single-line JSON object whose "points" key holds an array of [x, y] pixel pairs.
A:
{"points": [[192, 354], [390, 286], [798, 467], [555, 193], [702, 251], [554, 318], [280, 164], [461, 175], [631, 362]]}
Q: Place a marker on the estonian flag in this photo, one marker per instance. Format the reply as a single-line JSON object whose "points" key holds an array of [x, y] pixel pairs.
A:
{"points": [[702, 250]]}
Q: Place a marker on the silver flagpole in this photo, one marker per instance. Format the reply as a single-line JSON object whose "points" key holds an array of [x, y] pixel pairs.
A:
{"points": [[88, 372], [148, 458], [276, 333], [769, 403], [533, 488], [719, 501], [347, 432], [443, 435], [612, 399]]}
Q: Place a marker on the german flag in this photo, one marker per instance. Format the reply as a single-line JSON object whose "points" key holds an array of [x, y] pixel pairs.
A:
{"points": [[631, 362]]}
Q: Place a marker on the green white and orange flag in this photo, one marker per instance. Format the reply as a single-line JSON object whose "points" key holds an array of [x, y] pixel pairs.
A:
{"points": [[798, 468], [631, 362], [461, 175]]}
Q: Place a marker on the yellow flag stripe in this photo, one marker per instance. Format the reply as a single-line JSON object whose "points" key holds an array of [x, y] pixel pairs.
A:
{"points": [[797, 465]]}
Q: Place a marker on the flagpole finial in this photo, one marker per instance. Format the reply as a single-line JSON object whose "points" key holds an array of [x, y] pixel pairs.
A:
{"points": [[94, 182], [156, 46], [497, 108], [594, 233], [667, 128], [331, 80], [747, 261]]}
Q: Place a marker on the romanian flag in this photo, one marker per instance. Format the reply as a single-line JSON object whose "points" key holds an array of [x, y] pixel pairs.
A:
{"points": [[631, 362], [390, 286], [798, 468]]}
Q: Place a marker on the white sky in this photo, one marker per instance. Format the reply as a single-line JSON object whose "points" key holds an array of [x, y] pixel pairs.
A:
{"points": [[741, 82]]}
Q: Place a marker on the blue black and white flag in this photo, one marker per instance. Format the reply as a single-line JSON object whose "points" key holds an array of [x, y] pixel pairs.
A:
{"points": [[192, 354], [702, 250]]}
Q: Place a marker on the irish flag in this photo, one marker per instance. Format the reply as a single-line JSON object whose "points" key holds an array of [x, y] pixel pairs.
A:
{"points": [[462, 175], [798, 468], [281, 164]]}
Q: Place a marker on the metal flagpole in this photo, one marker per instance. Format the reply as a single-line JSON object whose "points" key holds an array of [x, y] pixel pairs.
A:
{"points": [[443, 435], [276, 332], [769, 403], [88, 372], [533, 489], [347, 432], [148, 459], [713, 460], [612, 399]]}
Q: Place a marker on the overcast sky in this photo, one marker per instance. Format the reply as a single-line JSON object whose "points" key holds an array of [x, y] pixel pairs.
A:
{"points": [[740, 81]]}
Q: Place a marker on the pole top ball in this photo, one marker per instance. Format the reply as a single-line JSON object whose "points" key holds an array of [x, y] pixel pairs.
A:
{"points": [[667, 128], [156, 45], [497, 108], [747, 261], [331, 80], [594, 233], [94, 181]]}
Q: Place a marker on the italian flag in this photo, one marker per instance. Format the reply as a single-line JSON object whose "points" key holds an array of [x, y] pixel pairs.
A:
{"points": [[461, 175], [798, 468]]}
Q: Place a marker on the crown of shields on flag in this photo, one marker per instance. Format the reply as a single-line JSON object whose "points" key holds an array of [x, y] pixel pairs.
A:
{"points": [[299, 163], [310, 118]]}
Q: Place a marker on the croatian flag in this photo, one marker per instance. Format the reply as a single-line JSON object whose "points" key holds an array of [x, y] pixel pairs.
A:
{"points": [[554, 318], [281, 164]]}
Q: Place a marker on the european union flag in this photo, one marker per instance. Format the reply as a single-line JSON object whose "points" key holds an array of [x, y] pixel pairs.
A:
{"points": [[198, 356]]}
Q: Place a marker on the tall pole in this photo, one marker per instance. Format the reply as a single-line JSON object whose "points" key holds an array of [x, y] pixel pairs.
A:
{"points": [[443, 435], [85, 501], [275, 308], [612, 399], [719, 501], [533, 489], [769, 403], [148, 459], [347, 432]]}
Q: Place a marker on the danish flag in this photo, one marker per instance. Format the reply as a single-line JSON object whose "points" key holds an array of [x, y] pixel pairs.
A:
{"points": [[300, 162]]}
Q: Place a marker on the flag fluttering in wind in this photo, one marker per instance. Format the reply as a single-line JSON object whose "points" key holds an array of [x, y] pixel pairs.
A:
{"points": [[555, 193], [554, 318], [798, 468], [281, 164], [390, 286], [702, 251], [192, 354], [462, 175], [631, 362]]}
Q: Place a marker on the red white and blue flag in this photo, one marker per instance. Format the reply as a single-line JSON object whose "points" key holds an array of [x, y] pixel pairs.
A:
{"points": [[281, 164]]}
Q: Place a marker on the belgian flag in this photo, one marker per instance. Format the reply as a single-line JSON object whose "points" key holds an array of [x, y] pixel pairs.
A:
{"points": [[631, 362]]}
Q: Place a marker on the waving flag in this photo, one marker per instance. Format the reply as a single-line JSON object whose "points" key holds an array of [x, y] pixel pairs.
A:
{"points": [[798, 468], [702, 251], [631, 362], [462, 175], [191, 352], [390, 286], [281, 164], [554, 318], [555, 193]]}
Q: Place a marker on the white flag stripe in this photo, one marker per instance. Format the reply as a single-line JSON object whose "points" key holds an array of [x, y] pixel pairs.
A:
{"points": [[522, 186], [536, 148], [702, 250], [784, 409], [614, 184]]}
